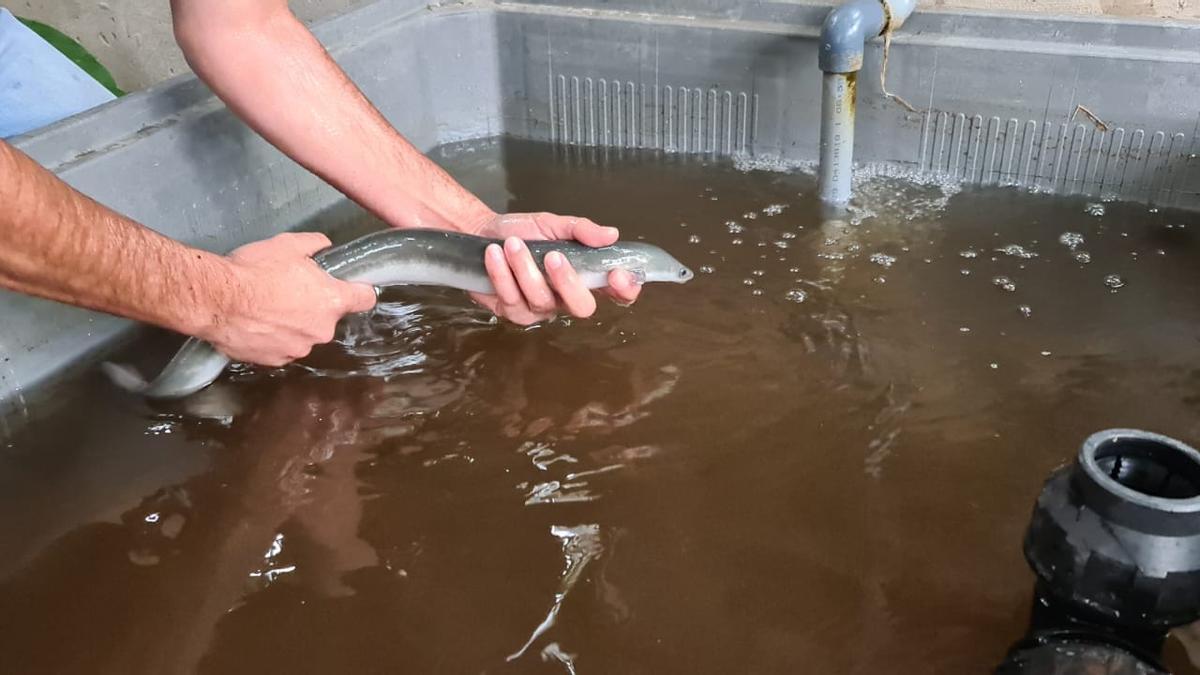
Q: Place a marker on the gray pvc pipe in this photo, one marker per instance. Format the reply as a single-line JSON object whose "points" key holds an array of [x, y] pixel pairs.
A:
{"points": [[837, 137], [843, 42]]}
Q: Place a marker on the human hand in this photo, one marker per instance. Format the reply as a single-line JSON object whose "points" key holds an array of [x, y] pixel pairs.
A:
{"points": [[523, 294], [281, 302]]}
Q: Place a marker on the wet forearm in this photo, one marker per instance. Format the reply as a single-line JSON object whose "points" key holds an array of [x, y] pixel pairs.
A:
{"points": [[272, 72], [58, 244]]}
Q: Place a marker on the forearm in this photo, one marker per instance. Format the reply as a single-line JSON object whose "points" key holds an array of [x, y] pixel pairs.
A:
{"points": [[58, 244], [270, 70]]}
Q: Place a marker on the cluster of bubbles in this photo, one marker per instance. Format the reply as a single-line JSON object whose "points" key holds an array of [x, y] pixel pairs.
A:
{"points": [[737, 228], [883, 260], [1073, 240], [898, 197], [1017, 251], [1004, 283], [747, 164]]}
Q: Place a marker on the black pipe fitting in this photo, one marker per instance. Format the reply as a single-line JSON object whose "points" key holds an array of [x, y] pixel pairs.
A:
{"points": [[1114, 541]]}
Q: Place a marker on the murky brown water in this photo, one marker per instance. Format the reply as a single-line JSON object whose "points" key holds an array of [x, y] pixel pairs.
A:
{"points": [[819, 456]]}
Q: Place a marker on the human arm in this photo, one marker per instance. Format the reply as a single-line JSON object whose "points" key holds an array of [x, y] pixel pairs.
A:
{"points": [[266, 302], [274, 74]]}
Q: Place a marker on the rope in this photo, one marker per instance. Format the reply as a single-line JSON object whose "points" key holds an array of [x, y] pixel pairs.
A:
{"points": [[887, 46]]}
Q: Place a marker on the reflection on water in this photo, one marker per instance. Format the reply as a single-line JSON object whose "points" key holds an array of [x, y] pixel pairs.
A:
{"points": [[580, 545], [819, 456]]}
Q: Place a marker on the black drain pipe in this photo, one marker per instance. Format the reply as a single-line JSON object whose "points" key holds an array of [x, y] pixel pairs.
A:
{"points": [[1114, 541]]}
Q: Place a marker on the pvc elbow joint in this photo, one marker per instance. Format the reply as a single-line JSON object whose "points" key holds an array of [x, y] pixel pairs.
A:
{"points": [[847, 28]]}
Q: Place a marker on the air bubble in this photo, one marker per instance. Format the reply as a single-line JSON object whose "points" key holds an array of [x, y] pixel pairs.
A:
{"points": [[1004, 284], [880, 280], [964, 329], [694, 239], [781, 244], [734, 227], [748, 282], [1114, 281], [759, 273], [1094, 209], [788, 235], [1025, 310], [969, 253], [794, 270], [796, 295], [757, 291], [707, 269], [965, 273], [1082, 257], [774, 209], [736, 242], [750, 215]]}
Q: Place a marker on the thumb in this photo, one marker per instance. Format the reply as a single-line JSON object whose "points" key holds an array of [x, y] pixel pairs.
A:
{"points": [[589, 233], [307, 243], [357, 297]]}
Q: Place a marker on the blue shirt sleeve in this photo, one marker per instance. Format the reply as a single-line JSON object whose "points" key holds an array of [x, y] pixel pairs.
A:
{"points": [[38, 85]]}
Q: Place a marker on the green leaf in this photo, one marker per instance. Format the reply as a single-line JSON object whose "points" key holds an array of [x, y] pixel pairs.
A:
{"points": [[76, 53]]}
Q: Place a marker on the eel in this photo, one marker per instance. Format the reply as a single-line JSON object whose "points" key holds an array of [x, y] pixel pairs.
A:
{"points": [[410, 257]]}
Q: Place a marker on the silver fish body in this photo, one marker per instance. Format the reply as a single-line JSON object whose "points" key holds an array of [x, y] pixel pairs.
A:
{"points": [[411, 258]]}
